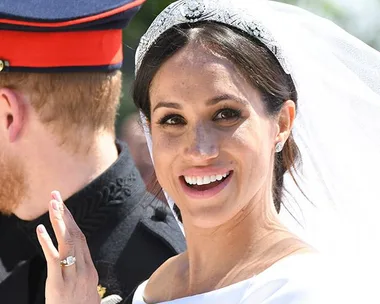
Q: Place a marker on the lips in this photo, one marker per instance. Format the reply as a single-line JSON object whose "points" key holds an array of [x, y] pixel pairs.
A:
{"points": [[205, 186], [205, 180]]}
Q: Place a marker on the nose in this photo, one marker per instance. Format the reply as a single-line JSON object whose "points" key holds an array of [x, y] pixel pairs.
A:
{"points": [[201, 144]]}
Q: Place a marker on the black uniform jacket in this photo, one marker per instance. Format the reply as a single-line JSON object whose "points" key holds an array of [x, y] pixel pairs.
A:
{"points": [[130, 234]]}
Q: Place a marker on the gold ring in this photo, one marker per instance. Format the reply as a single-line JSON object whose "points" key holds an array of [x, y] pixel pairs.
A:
{"points": [[70, 260]]}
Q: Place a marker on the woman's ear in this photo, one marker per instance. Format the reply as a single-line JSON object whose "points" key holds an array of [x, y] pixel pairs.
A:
{"points": [[12, 113], [285, 121]]}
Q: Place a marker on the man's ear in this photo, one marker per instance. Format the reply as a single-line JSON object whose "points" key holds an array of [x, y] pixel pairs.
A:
{"points": [[285, 121], [12, 113]]}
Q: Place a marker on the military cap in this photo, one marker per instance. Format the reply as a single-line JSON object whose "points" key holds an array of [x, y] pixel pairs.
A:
{"points": [[63, 35]]}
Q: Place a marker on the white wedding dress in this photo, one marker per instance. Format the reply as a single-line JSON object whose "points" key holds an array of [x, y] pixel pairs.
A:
{"points": [[296, 279]]}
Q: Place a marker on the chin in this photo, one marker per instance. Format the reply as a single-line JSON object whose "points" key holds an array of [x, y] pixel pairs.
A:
{"points": [[209, 217]]}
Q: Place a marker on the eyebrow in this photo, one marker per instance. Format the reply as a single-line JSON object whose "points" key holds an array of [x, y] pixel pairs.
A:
{"points": [[164, 104], [210, 102], [223, 97]]}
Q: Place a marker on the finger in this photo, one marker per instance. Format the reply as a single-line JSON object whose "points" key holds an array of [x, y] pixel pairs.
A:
{"points": [[66, 246], [80, 242], [78, 238], [51, 254]]}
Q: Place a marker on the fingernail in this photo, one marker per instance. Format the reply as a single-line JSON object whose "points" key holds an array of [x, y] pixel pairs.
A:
{"points": [[55, 205], [57, 196], [41, 229]]}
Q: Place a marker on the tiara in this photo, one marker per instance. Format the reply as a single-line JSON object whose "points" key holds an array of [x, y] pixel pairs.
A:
{"points": [[241, 16]]}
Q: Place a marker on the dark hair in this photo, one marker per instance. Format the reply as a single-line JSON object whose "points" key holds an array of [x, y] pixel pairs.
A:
{"points": [[249, 55]]}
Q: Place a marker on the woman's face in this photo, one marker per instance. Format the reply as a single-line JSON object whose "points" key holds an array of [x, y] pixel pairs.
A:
{"points": [[213, 143]]}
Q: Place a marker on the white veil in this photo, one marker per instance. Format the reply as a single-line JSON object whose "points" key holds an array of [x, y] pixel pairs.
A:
{"points": [[337, 128]]}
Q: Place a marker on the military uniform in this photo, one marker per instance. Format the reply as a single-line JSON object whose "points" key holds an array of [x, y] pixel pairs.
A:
{"points": [[129, 233]]}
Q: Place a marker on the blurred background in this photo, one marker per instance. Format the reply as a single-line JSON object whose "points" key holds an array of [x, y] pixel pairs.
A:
{"points": [[359, 17]]}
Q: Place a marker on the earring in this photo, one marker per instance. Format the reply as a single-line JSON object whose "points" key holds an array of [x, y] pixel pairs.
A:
{"points": [[279, 147]]}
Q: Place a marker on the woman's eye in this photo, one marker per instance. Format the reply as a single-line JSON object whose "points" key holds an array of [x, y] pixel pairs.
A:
{"points": [[228, 114], [172, 120]]}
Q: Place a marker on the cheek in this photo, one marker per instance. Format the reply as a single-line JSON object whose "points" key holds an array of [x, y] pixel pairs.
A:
{"points": [[13, 184], [164, 145], [164, 149], [251, 145]]}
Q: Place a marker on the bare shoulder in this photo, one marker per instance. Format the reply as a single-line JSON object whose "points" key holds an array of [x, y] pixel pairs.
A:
{"points": [[166, 279]]}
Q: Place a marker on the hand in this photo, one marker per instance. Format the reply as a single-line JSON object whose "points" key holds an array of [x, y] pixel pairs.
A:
{"points": [[70, 284]]}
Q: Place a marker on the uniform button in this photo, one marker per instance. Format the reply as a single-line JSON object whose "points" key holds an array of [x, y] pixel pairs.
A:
{"points": [[159, 215], [3, 65]]}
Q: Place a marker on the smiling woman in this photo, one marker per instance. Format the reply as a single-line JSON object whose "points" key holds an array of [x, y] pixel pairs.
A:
{"points": [[240, 66], [220, 109], [216, 85]]}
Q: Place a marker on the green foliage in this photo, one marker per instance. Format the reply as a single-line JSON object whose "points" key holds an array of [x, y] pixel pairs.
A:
{"points": [[143, 19]]}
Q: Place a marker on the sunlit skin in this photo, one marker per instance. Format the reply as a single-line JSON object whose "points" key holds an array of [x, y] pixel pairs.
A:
{"points": [[207, 119]]}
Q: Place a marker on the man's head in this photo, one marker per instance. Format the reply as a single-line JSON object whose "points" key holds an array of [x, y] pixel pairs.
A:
{"points": [[68, 108], [59, 92]]}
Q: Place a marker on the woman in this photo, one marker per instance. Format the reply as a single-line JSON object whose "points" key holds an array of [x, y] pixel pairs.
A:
{"points": [[217, 84]]}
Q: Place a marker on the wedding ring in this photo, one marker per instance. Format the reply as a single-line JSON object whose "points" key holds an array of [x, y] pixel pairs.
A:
{"points": [[70, 260]]}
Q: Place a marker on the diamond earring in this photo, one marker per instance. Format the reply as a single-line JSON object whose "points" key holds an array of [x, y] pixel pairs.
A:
{"points": [[279, 147]]}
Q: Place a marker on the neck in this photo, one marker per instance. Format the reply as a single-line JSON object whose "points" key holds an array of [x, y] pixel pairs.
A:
{"points": [[246, 245], [57, 168]]}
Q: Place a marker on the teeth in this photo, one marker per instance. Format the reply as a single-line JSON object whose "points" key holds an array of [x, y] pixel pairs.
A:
{"points": [[189, 180], [204, 180]]}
